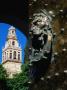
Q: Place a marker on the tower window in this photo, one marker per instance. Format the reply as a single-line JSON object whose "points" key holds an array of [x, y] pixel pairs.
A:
{"points": [[5, 55], [12, 32], [18, 55], [14, 55], [10, 55], [13, 43]]}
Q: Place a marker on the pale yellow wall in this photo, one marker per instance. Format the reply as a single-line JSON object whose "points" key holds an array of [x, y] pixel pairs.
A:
{"points": [[12, 68]]}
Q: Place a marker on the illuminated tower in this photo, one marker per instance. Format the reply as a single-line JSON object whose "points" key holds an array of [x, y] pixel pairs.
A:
{"points": [[12, 53]]}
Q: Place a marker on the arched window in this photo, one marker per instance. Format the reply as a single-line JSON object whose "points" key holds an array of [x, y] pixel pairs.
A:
{"points": [[10, 55], [18, 55], [13, 43], [14, 54], [12, 32], [5, 55]]}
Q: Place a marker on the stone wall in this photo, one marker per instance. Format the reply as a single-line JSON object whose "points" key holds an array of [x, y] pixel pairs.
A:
{"points": [[12, 68]]}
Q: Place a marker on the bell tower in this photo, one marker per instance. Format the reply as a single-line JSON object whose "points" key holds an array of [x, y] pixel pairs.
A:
{"points": [[12, 53]]}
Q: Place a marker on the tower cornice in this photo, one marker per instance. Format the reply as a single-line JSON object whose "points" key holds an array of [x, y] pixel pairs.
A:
{"points": [[16, 61], [13, 38]]}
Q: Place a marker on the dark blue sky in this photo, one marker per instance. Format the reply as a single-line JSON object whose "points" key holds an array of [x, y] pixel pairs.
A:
{"points": [[3, 35]]}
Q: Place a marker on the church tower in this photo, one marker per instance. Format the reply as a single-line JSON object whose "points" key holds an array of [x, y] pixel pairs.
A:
{"points": [[12, 53]]}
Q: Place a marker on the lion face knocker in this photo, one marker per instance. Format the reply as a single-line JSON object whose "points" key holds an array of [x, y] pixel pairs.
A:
{"points": [[40, 36]]}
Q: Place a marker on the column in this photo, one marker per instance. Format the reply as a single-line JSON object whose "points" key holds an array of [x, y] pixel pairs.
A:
{"points": [[5, 55], [8, 55], [20, 55], [2, 56], [17, 55], [12, 54]]}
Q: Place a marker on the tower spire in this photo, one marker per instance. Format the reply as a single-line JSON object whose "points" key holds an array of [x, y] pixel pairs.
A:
{"points": [[12, 33]]}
